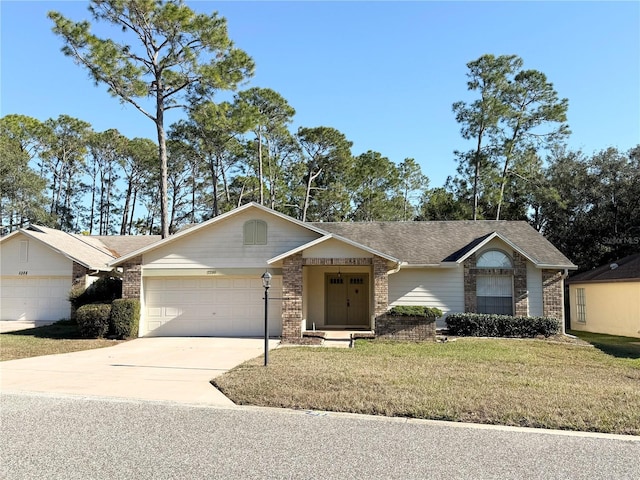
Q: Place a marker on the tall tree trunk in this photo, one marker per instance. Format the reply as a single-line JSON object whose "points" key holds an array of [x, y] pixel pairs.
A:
{"points": [[214, 181], [133, 207], [162, 152], [125, 209], [260, 165], [307, 196]]}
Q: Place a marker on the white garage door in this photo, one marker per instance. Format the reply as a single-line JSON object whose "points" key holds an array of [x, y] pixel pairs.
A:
{"points": [[34, 298], [210, 306]]}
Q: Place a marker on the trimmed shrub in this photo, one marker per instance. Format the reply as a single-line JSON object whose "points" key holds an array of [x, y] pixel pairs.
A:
{"points": [[415, 311], [125, 317], [103, 290], [93, 320], [489, 325]]}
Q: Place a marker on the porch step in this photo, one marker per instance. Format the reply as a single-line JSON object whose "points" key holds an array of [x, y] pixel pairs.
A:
{"points": [[336, 338]]}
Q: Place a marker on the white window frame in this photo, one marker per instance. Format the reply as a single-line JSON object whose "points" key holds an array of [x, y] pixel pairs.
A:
{"points": [[505, 263], [581, 305]]}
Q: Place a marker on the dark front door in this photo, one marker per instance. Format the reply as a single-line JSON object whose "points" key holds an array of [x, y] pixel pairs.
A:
{"points": [[347, 300]]}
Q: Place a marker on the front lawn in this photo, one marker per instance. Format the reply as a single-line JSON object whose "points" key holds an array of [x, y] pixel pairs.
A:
{"points": [[531, 383], [621, 347], [60, 337]]}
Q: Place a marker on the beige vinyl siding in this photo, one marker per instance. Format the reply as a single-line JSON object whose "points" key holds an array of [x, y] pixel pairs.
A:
{"points": [[221, 245], [40, 259], [35, 281], [534, 288], [432, 287]]}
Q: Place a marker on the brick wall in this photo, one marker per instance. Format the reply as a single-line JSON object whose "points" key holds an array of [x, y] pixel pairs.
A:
{"points": [[470, 301], [520, 294], [416, 329], [337, 261], [292, 298], [79, 273], [132, 278], [552, 294], [380, 286], [519, 274]]}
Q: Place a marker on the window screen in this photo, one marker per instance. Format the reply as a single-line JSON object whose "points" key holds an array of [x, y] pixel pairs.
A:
{"points": [[494, 294]]}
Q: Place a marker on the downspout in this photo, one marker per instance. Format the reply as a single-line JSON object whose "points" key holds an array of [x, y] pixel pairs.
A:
{"points": [[397, 268]]}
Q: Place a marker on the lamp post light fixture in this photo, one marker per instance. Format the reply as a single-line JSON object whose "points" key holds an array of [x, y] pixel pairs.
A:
{"points": [[266, 283]]}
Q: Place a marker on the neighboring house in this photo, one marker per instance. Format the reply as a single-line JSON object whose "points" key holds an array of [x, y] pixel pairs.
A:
{"points": [[206, 280], [607, 299], [38, 266]]}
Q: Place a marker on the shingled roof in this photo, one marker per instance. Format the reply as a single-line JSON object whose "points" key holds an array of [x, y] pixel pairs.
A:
{"points": [[120, 245], [626, 269], [432, 243], [74, 247]]}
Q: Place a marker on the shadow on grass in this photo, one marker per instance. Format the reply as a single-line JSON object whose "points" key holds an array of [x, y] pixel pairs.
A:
{"points": [[619, 347], [63, 329]]}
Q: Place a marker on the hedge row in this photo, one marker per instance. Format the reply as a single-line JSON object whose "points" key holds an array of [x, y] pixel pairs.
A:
{"points": [[119, 319], [415, 311], [488, 325]]}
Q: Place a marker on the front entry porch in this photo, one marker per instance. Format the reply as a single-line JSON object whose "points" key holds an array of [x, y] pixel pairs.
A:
{"points": [[332, 295]]}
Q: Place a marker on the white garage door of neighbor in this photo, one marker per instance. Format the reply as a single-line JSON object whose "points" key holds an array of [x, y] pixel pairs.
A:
{"points": [[35, 298], [210, 307]]}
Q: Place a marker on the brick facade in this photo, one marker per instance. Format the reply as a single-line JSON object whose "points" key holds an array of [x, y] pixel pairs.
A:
{"points": [[292, 298], [380, 286], [397, 327], [518, 273], [344, 262], [132, 278], [470, 301], [79, 273], [520, 293], [552, 301], [292, 289]]}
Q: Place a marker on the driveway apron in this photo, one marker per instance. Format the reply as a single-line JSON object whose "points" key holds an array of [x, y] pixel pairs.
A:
{"points": [[176, 369]]}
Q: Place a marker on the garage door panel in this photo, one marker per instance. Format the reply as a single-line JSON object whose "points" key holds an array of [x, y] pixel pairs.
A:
{"points": [[219, 306], [35, 299]]}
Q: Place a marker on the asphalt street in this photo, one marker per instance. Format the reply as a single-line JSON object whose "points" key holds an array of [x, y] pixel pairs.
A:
{"points": [[62, 437]]}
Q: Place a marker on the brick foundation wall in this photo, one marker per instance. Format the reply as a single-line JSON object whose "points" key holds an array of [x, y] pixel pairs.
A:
{"points": [[292, 298], [520, 294], [132, 278], [416, 329], [552, 294]]}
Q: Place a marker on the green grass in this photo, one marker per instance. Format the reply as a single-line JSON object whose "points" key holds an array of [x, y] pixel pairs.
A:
{"points": [[60, 337], [621, 347], [531, 383]]}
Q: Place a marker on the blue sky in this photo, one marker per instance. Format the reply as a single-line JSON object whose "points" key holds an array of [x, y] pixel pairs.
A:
{"points": [[383, 73]]}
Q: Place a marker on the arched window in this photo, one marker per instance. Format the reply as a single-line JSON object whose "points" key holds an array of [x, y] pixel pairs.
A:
{"points": [[494, 287], [255, 232], [494, 259]]}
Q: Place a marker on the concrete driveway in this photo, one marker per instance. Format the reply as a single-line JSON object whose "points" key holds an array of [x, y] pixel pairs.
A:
{"points": [[169, 369]]}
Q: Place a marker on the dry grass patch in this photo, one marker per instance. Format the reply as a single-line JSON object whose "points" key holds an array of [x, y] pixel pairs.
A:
{"points": [[510, 382], [60, 337]]}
